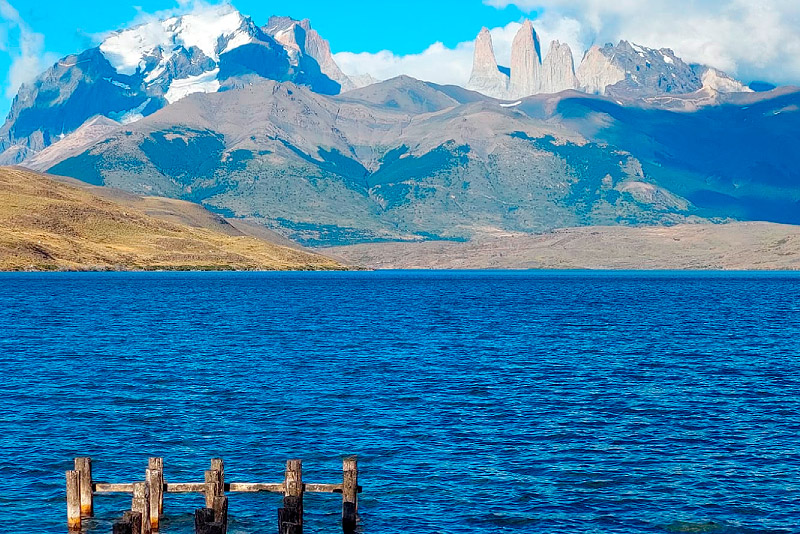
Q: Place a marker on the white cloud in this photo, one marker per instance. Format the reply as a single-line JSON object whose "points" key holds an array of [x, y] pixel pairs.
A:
{"points": [[753, 39], [437, 64], [26, 48]]}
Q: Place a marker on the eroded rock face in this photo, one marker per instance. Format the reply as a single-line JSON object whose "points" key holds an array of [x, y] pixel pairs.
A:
{"points": [[719, 81], [300, 39], [486, 76], [526, 63], [596, 72], [558, 69], [629, 71]]}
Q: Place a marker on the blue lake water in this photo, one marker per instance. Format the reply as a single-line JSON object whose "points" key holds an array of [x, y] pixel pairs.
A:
{"points": [[477, 402]]}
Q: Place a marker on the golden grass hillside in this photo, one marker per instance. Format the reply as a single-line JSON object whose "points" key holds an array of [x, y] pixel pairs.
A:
{"points": [[49, 225]]}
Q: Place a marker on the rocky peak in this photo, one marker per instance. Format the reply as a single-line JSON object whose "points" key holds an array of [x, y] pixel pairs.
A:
{"points": [[526, 62], [558, 69], [486, 76], [628, 70], [597, 71], [300, 39], [719, 81], [213, 30]]}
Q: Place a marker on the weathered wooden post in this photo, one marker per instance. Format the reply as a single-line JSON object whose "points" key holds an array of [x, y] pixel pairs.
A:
{"points": [[155, 477], [349, 493], [218, 464], [73, 500], [204, 522], [290, 517], [135, 519], [288, 521], [221, 512], [141, 504], [213, 487], [220, 502], [84, 467], [122, 527]]}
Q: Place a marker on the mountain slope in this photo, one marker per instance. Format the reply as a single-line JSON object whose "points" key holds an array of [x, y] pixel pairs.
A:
{"points": [[48, 225], [398, 160], [137, 71]]}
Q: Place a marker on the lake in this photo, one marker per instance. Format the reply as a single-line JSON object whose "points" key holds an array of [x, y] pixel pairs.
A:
{"points": [[477, 402]]}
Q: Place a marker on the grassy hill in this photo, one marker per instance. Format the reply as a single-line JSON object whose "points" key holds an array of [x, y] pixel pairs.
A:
{"points": [[46, 224]]}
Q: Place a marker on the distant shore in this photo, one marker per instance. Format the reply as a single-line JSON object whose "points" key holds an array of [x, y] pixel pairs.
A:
{"points": [[746, 246]]}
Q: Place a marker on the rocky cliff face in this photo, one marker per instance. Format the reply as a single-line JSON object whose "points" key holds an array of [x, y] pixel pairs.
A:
{"points": [[624, 71], [301, 40], [486, 76], [526, 63], [558, 69], [138, 71], [597, 71]]}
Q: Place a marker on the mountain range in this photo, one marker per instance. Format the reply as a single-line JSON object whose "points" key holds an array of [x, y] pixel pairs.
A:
{"points": [[259, 124]]}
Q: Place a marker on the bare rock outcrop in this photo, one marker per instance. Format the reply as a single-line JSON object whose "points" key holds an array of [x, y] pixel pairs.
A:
{"points": [[597, 71], [526, 63], [486, 76], [558, 69], [300, 39]]}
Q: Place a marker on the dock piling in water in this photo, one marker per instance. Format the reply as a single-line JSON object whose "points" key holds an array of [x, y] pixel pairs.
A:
{"points": [[147, 497], [73, 500], [349, 494], [141, 504], [84, 467], [155, 473], [135, 520]]}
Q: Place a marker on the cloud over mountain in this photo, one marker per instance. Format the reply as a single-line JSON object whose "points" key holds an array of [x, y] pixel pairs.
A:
{"points": [[751, 39]]}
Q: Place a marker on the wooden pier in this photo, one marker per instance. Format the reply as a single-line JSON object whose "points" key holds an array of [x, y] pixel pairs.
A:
{"points": [[147, 497]]}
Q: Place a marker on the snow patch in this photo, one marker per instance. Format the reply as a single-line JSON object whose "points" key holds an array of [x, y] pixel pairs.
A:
{"points": [[118, 84], [512, 105], [133, 115], [204, 83], [668, 59], [126, 50]]}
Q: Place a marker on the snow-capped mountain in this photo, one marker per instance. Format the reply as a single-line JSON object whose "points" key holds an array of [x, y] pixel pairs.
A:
{"points": [[622, 71], [137, 71]]}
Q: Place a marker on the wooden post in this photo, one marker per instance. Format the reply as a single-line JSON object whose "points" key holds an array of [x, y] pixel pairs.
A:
{"points": [[122, 527], [221, 512], [289, 520], [141, 504], [214, 487], [218, 464], [294, 487], [73, 500], [135, 519], [349, 493], [155, 477], [84, 467], [204, 522]]}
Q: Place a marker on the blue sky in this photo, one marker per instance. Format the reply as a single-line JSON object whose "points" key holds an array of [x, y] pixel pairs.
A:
{"points": [[432, 39]]}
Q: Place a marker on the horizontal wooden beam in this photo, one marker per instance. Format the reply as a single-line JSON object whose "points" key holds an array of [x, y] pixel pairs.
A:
{"points": [[234, 487], [185, 487], [247, 487], [103, 487]]}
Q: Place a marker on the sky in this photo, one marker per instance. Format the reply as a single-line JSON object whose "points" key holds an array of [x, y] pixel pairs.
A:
{"points": [[433, 39]]}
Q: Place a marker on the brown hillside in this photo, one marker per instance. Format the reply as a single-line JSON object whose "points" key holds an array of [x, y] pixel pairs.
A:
{"points": [[50, 225]]}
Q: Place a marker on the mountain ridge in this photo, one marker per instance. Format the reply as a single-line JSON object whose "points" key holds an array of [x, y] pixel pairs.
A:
{"points": [[410, 160]]}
